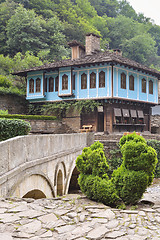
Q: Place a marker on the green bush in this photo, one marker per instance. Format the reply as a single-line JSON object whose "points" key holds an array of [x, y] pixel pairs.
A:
{"points": [[130, 185], [115, 160], [11, 128], [128, 182], [7, 86], [5, 82], [3, 112], [156, 145], [130, 137], [93, 178], [29, 117], [136, 172]]}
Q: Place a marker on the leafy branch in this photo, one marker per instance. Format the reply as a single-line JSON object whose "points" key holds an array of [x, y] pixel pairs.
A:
{"points": [[61, 108]]}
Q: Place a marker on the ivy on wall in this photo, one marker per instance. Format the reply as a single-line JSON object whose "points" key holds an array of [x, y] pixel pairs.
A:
{"points": [[59, 109]]}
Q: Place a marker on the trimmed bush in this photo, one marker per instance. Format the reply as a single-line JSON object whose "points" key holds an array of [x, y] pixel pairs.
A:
{"points": [[130, 137], [128, 182], [115, 160], [130, 185], [93, 178], [11, 128], [136, 172], [29, 117]]}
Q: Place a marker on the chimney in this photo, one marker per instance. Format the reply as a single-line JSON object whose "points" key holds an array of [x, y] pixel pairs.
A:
{"points": [[117, 51], [78, 50], [92, 43]]}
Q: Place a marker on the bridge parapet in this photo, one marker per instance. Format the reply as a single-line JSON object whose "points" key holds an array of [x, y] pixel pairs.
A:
{"points": [[25, 155]]}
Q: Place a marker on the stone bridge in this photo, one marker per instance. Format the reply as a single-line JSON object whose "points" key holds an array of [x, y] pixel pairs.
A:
{"points": [[40, 165]]}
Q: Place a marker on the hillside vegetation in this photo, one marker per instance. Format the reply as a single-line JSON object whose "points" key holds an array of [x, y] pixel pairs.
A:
{"points": [[33, 32]]}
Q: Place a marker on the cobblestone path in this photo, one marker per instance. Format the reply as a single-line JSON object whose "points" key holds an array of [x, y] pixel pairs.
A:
{"points": [[76, 217]]}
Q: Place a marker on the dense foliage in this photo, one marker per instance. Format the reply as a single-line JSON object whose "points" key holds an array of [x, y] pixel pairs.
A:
{"points": [[37, 31], [156, 145], [128, 182], [10, 128], [61, 108], [136, 172]]}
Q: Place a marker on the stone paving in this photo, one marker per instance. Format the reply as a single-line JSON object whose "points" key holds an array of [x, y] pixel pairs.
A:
{"points": [[75, 217]]}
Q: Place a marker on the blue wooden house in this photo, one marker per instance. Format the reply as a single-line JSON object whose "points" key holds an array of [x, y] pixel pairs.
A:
{"points": [[126, 89]]}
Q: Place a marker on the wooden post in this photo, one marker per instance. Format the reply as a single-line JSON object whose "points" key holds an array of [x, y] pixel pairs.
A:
{"points": [[105, 119], [109, 118]]}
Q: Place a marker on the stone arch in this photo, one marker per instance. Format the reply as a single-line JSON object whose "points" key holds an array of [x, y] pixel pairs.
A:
{"points": [[60, 188], [62, 166], [73, 184], [59, 178], [70, 171], [36, 194], [32, 182]]}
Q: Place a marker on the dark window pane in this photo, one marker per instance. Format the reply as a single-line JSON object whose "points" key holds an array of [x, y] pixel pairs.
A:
{"points": [[38, 85], [51, 84], [144, 85], [150, 87], [31, 86], [56, 84], [64, 82], [73, 82], [131, 83], [45, 85], [84, 81], [123, 80], [101, 79], [92, 80]]}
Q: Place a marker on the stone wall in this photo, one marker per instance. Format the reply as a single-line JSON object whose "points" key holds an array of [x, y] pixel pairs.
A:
{"points": [[14, 104], [155, 124], [73, 120], [49, 126], [110, 141]]}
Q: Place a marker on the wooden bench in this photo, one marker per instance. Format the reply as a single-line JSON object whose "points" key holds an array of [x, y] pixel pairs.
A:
{"points": [[86, 128]]}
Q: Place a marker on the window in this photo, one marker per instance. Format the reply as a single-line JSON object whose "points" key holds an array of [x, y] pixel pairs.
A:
{"points": [[64, 82], [144, 85], [51, 84], [56, 84], [31, 86], [84, 81], [150, 87], [45, 85], [92, 80], [101, 79], [123, 80], [73, 86], [38, 85], [131, 83]]}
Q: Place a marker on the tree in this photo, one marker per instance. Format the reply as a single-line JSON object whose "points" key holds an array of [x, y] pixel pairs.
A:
{"points": [[7, 9], [54, 39], [123, 28], [140, 48], [155, 32], [24, 32], [28, 32], [105, 7], [127, 10]]}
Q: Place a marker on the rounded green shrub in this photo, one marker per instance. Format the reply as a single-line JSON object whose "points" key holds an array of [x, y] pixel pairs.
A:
{"points": [[11, 128], [137, 170], [131, 137], [128, 182], [93, 178]]}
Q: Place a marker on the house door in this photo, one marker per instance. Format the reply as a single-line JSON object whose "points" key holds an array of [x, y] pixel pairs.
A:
{"points": [[100, 122]]}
